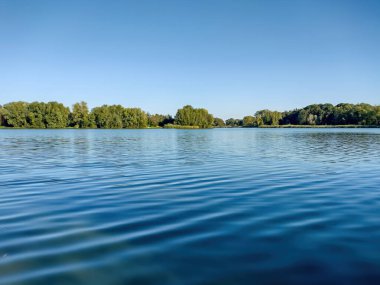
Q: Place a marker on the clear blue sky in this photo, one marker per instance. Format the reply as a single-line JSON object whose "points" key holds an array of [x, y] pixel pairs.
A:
{"points": [[231, 57]]}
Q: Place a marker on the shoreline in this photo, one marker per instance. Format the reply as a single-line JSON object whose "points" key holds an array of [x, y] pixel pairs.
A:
{"points": [[197, 128], [320, 126]]}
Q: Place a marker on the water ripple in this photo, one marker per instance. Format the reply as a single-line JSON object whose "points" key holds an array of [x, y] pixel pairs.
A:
{"points": [[277, 206]]}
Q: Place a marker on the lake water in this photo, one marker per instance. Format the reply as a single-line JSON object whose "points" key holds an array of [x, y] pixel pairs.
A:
{"points": [[221, 206]]}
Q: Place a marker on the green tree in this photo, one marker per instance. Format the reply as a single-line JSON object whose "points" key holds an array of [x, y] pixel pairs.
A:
{"points": [[2, 116], [189, 116], [80, 116], [57, 115], [269, 117], [234, 123], [116, 113], [15, 114], [344, 114], [377, 111], [219, 123], [108, 117], [134, 118], [154, 120], [158, 120], [100, 116], [36, 114], [249, 122]]}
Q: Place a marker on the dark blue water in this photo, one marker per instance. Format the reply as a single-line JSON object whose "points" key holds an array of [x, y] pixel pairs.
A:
{"points": [[222, 206]]}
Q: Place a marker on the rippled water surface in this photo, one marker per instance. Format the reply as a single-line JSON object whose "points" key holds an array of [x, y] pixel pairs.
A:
{"points": [[222, 206]]}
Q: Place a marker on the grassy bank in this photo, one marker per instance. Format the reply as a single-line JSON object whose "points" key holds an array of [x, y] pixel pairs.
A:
{"points": [[171, 126]]}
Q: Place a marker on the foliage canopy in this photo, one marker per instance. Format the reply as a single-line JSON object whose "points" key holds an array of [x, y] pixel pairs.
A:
{"points": [[56, 115]]}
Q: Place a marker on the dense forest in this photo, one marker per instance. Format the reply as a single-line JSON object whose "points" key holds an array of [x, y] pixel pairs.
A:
{"points": [[56, 115]]}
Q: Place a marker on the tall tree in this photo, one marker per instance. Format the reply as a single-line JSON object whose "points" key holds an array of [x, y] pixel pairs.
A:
{"points": [[36, 114], [80, 116], [15, 114], [134, 118], [269, 117], [57, 115], [249, 122], [108, 117], [189, 116]]}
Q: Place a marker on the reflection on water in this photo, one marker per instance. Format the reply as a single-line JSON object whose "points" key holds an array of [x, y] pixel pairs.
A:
{"points": [[223, 206]]}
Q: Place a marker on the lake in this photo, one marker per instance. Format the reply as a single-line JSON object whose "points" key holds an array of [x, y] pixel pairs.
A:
{"points": [[219, 206]]}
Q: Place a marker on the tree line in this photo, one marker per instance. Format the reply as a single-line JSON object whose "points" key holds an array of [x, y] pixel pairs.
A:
{"points": [[314, 115], [56, 115]]}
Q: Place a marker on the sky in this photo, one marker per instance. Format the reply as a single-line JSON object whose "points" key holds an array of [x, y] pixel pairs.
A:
{"points": [[231, 57]]}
